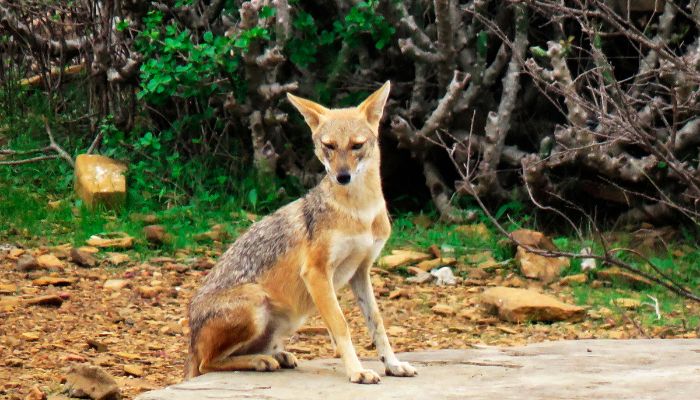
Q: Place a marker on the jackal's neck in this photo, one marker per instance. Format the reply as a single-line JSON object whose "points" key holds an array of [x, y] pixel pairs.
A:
{"points": [[365, 191]]}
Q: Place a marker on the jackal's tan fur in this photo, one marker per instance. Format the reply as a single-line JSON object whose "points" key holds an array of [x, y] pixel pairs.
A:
{"points": [[268, 281]]}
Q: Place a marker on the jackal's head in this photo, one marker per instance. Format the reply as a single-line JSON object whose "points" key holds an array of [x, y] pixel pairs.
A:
{"points": [[346, 140]]}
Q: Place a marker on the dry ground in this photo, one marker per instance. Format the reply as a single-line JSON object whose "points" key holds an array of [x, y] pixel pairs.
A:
{"points": [[135, 327]]}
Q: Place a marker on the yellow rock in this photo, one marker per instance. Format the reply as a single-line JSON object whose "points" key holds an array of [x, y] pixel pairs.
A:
{"points": [[578, 278], [133, 370], [402, 257], [124, 242], [53, 280], [443, 310], [438, 262], [478, 230], [128, 356], [118, 258], [15, 253], [115, 284], [540, 267], [627, 303], [8, 288], [30, 336], [100, 180], [49, 261], [89, 249], [8, 303], [528, 237], [482, 259], [522, 305]]}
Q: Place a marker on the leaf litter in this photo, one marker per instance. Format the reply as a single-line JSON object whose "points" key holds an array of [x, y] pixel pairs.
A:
{"points": [[129, 320]]}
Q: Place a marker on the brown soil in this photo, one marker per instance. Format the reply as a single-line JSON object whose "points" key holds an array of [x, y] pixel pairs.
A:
{"points": [[137, 326]]}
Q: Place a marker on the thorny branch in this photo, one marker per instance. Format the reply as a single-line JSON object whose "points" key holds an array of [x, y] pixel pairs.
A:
{"points": [[602, 106], [52, 147]]}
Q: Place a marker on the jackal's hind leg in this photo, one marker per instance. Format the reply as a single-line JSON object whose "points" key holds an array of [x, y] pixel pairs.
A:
{"points": [[250, 362]]}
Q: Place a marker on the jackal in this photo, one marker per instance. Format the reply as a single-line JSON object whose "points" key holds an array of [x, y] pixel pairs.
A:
{"points": [[268, 281]]}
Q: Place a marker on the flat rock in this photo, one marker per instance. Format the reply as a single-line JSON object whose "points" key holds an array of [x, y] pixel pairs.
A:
{"points": [[398, 258], [118, 258], [91, 382], [483, 260], [423, 277], [523, 305], [628, 304], [122, 241], [578, 278], [100, 180], [49, 261], [9, 303], [9, 288], [50, 300], [582, 369], [528, 237], [53, 280], [427, 265], [27, 263], [443, 310], [115, 284], [83, 258], [133, 370]]}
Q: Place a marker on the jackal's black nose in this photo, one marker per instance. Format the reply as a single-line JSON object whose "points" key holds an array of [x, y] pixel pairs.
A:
{"points": [[343, 178]]}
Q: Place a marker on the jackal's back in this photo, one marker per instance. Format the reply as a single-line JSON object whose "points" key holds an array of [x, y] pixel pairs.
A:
{"points": [[265, 242]]}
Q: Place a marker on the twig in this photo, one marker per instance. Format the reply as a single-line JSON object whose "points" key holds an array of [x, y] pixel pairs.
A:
{"points": [[28, 160], [58, 149], [53, 146], [636, 324], [655, 306]]}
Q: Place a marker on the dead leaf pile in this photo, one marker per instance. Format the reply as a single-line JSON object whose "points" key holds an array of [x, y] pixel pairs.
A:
{"points": [[127, 318]]}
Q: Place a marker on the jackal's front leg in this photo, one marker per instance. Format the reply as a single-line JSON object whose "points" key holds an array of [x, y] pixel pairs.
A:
{"points": [[362, 288], [320, 287]]}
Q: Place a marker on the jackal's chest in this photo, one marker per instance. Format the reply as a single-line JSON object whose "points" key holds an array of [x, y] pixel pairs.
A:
{"points": [[349, 252]]}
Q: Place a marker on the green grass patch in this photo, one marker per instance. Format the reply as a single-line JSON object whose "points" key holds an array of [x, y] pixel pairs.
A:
{"points": [[409, 230]]}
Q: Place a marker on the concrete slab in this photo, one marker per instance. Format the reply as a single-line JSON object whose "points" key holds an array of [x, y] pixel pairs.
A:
{"points": [[586, 369]]}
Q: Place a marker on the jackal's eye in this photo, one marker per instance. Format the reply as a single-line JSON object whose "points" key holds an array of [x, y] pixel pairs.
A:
{"points": [[329, 146], [357, 146]]}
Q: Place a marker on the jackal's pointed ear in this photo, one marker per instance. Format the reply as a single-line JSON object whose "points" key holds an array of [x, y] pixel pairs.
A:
{"points": [[373, 106], [313, 112]]}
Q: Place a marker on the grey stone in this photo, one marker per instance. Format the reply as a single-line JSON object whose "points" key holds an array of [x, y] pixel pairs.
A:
{"points": [[585, 369]]}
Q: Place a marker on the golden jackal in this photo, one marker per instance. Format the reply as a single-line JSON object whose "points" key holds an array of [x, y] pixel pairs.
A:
{"points": [[268, 281]]}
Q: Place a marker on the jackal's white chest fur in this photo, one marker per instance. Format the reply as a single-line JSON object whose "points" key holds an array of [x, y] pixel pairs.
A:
{"points": [[348, 252]]}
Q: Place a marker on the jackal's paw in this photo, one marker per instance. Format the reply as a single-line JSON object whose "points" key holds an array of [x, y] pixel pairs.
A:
{"points": [[364, 376], [286, 359], [265, 363], [400, 369]]}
